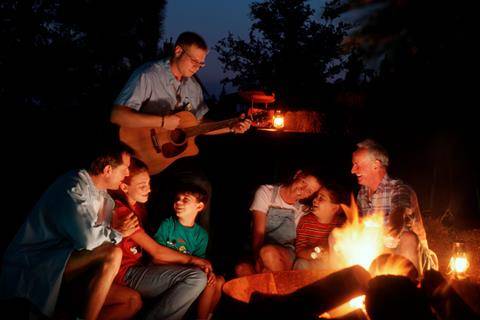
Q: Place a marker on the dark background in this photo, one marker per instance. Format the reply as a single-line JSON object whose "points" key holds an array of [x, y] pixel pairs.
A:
{"points": [[63, 63]]}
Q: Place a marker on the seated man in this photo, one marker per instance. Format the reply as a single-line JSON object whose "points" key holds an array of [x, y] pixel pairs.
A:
{"points": [[380, 193], [276, 211], [67, 235]]}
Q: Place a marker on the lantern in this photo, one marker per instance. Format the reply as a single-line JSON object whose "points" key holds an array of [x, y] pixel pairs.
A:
{"points": [[458, 262], [278, 120]]}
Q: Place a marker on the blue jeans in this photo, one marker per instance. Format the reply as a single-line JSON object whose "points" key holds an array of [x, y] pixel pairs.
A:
{"points": [[174, 288]]}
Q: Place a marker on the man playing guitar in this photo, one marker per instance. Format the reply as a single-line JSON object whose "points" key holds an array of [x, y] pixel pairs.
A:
{"points": [[151, 97]]}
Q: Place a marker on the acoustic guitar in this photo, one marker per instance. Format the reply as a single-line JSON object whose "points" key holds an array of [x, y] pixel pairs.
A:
{"points": [[159, 148]]}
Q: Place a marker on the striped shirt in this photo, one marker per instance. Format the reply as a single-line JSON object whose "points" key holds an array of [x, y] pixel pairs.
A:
{"points": [[312, 233]]}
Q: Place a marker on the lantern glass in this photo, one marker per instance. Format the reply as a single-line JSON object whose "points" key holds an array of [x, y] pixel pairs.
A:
{"points": [[278, 120], [459, 262]]}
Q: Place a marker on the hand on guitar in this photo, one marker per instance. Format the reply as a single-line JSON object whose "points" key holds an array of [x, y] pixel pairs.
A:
{"points": [[242, 126], [171, 122]]}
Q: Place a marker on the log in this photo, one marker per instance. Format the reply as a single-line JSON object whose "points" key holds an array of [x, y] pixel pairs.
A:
{"points": [[356, 314], [314, 299], [396, 297], [445, 298]]}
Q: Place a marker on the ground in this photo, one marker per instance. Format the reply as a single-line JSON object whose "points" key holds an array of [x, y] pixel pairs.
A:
{"points": [[441, 239]]}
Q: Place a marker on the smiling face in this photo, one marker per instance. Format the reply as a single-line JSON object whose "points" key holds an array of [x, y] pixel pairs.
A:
{"points": [[368, 170], [323, 207], [304, 186], [187, 206], [138, 188]]}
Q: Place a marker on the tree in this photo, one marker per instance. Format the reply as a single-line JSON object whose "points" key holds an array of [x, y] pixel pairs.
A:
{"points": [[59, 54], [428, 57], [288, 52]]}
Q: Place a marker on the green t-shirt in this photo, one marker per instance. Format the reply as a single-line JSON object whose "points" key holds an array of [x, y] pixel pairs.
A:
{"points": [[188, 240]]}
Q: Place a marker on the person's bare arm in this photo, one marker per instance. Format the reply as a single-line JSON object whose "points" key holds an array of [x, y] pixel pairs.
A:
{"points": [[163, 255], [127, 117], [239, 127], [258, 230]]}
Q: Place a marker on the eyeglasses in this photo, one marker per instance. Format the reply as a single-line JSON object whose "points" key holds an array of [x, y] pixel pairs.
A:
{"points": [[196, 63]]}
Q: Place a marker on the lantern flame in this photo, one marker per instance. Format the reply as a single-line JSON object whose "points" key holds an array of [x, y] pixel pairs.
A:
{"points": [[459, 264], [278, 120]]}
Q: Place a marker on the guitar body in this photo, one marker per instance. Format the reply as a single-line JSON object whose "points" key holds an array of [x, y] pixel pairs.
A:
{"points": [[158, 147]]}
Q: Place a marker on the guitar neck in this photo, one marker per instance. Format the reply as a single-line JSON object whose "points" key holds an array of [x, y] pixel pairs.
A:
{"points": [[208, 127]]}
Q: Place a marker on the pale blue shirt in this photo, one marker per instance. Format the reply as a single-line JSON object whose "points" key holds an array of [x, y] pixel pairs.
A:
{"points": [[153, 89], [71, 215]]}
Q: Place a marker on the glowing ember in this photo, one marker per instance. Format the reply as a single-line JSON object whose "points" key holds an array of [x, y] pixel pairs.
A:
{"points": [[394, 265], [355, 303], [358, 302]]}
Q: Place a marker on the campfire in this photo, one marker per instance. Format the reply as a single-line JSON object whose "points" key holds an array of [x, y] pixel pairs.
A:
{"points": [[340, 291], [360, 241]]}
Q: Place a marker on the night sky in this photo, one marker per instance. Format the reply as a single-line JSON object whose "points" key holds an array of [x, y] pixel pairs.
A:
{"points": [[213, 19], [432, 139]]}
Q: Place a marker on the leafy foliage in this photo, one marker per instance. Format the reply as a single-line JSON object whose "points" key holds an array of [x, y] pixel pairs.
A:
{"points": [[287, 52], [68, 53]]}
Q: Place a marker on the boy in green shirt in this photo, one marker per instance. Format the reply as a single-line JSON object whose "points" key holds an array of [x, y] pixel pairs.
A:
{"points": [[185, 235]]}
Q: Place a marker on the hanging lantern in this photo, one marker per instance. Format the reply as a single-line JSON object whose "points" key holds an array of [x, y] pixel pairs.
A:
{"points": [[278, 120]]}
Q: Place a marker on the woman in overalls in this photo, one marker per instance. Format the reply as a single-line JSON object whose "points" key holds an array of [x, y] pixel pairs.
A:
{"points": [[276, 211]]}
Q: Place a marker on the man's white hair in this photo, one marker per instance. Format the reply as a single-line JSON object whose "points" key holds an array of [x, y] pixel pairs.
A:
{"points": [[377, 151]]}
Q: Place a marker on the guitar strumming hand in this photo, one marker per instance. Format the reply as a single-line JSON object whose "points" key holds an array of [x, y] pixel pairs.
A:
{"points": [[159, 147], [171, 122]]}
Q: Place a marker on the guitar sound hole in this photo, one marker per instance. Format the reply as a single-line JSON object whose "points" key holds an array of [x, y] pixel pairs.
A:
{"points": [[177, 137]]}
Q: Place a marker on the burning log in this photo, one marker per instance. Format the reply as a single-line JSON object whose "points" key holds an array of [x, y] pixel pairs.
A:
{"points": [[356, 314], [315, 299], [396, 297], [451, 299], [394, 264]]}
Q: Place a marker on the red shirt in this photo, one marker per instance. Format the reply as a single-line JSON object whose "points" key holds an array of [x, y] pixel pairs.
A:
{"points": [[132, 252], [312, 233]]}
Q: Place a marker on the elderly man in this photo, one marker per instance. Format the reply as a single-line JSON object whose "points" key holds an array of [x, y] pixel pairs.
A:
{"points": [[379, 193]]}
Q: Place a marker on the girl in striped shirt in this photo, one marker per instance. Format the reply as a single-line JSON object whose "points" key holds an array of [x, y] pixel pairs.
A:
{"points": [[311, 244]]}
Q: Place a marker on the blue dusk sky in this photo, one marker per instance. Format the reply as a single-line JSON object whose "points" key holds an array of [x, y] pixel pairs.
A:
{"points": [[213, 19]]}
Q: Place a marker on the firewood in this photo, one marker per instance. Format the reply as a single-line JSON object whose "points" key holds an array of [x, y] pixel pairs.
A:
{"points": [[395, 297], [445, 299], [314, 299]]}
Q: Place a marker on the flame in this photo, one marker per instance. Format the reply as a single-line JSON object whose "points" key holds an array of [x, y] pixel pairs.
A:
{"points": [[347, 307], [359, 241], [278, 120], [394, 265], [358, 302], [458, 264]]}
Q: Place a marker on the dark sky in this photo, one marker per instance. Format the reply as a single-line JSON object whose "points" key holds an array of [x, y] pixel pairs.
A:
{"points": [[213, 19]]}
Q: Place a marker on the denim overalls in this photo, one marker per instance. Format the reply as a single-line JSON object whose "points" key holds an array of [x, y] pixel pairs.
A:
{"points": [[280, 228]]}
